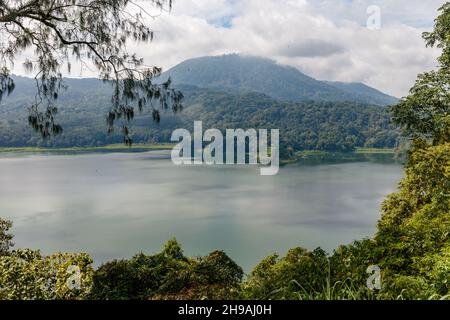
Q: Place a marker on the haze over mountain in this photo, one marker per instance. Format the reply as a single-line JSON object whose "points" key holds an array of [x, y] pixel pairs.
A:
{"points": [[254, 74]]}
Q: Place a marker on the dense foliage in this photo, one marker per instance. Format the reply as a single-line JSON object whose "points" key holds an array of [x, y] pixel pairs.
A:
{"points": [[309, 125], [168, 275], [411, 246], [28, 275], [5, 236], [272, 277], [414, 230]]}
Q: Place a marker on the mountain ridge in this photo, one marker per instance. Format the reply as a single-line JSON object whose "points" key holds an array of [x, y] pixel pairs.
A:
{"points": [[237, 73]]}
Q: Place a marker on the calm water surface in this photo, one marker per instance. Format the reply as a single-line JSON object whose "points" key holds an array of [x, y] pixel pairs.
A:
{"points": [[114, 205]]}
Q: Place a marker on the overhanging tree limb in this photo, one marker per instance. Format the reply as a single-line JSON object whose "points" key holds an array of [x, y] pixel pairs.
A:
{"points": [[90, 31]]}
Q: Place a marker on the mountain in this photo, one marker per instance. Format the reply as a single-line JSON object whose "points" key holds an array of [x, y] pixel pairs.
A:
{"points": [[228, 91], [238, 73]]}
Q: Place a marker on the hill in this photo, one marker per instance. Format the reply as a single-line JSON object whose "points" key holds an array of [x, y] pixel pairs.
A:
{"points": [[306, 125], [238, 73]]}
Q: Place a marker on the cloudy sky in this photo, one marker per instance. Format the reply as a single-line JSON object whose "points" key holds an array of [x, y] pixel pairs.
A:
{"points": [[327, 39]]}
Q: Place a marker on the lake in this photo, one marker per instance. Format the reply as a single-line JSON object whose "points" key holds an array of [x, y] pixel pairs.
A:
{"points": [[113, 205]]}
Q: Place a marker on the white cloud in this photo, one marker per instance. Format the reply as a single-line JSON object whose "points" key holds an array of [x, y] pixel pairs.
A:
{"points": [[325, 39]]}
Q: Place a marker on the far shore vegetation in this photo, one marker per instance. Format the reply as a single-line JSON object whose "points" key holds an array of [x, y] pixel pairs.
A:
{"points": [[165, 146], [107, 148]]}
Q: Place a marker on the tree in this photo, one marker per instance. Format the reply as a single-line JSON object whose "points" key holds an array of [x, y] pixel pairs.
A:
{"points": [[87, 31], [414, 230], [424, 113], [5, 237], [168, 275], [301, 274]]}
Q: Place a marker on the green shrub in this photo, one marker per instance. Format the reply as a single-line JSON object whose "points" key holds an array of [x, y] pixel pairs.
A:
{"points": [[26, 274], [168, 275]]}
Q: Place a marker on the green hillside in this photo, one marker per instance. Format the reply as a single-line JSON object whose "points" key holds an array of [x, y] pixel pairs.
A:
{"points": [[244, 73], [307, 125]]}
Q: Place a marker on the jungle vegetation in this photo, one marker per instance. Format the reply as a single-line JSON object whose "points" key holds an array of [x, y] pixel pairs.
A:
{"points": [[411, 245]]}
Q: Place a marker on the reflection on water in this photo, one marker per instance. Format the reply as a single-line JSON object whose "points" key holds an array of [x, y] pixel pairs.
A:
{"points": [[114, 205]]}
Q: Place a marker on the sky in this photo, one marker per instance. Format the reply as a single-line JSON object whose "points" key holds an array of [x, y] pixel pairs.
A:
{"points": [[339, 40]]}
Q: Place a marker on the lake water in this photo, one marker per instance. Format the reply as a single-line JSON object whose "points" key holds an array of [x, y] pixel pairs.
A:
{"points": [[115, 205]]}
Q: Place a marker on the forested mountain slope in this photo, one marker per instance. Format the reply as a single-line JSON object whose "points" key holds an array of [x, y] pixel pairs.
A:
{"points": [[303, 125]]}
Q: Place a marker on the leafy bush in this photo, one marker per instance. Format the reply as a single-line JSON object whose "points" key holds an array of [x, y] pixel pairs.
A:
{"points": [[300, 274], [168, 275], [26, 274]]}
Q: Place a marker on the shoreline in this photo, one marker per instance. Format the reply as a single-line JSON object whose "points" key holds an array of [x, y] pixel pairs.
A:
{"points": [[168, 146], [106, 148]]}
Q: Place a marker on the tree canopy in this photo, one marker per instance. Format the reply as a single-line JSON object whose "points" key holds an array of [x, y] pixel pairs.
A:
{"points": [[414, 229], [424, 113]]}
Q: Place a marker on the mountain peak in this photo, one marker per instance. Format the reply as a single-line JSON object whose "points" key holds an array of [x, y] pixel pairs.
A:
{"points": [[242, 73]]}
